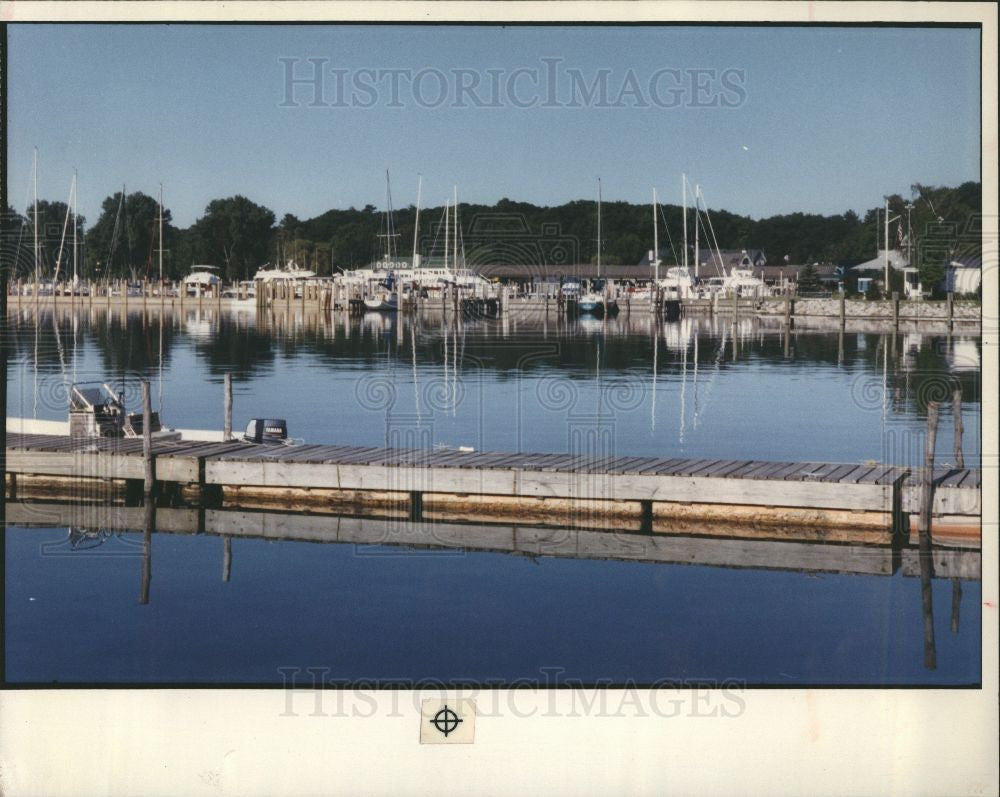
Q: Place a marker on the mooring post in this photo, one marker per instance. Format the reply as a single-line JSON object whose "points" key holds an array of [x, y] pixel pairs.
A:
{"points": [[147, 443], [843, 308], [951, 309], [956, 411], [227, 407], [927, 477], [926, 514], [895, 310]]}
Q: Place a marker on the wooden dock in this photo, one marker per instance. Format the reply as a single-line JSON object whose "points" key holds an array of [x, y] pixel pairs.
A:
{"points": [[849, 503]]}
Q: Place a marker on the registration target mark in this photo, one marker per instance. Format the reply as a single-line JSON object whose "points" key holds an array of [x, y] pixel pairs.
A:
{"points": [[447, 721]]}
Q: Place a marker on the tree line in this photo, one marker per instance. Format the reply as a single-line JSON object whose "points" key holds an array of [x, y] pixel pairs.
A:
{"points": [[239, 236]]}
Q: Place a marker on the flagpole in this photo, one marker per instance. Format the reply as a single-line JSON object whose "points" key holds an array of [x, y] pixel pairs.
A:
{"points": [[886, 289]]}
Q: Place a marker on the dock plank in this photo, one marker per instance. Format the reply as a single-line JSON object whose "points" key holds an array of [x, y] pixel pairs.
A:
{"points": [[694, 466], [730, 469], [953, 478], [892, 475], [855, 475], [359, 456]]}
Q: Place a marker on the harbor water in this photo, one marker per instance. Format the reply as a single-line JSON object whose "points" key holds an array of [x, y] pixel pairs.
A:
{"points": [[698, 387]]}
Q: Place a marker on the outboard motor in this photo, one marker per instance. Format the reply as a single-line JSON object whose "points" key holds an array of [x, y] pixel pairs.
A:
{"points": [[266, 430]]}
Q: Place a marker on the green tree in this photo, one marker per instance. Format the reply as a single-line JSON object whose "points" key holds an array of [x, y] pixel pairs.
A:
{"points": [[55, 237], [123, 242], [808, 279], [235, 234], [931, 267]]}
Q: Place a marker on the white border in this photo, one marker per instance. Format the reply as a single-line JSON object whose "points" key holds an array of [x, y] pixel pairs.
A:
{"points": [[837, 742]]}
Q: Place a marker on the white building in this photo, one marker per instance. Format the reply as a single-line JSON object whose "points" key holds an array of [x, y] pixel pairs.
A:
{"points": [[964, 274]]}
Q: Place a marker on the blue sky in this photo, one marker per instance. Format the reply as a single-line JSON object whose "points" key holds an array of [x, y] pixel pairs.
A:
{"points": [[786, 119]]}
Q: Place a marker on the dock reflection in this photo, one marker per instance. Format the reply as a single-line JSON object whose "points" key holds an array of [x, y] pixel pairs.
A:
{"points": [[105, 524]]}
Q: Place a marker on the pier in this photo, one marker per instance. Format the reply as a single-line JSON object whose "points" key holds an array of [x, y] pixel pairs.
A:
{"points": [[862, 503]]}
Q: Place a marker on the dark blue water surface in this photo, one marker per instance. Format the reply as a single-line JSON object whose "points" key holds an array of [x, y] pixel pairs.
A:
{"points": [[648, 388], [382, 613]]}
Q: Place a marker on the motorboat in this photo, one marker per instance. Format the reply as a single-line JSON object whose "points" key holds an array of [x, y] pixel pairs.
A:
{"points": [[97, 410]]}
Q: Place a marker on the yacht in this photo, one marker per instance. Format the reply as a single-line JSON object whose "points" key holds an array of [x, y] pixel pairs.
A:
{"points": [[201, 281], [290, 271]]}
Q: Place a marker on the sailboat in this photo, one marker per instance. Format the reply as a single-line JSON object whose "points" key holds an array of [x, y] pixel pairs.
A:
{"points": [[384, 300], [592, 302], [677, 283], [738, 281], [383, 295]]}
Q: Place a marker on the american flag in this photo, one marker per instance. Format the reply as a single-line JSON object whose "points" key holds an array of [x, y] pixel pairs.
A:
{"points": [[899, 235]]}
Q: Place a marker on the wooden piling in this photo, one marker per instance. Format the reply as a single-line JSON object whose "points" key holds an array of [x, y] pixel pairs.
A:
{"points": [[927, 477], [951, 309], [147, 552], [956, 411], [926, 511], [843, 309], [147, 443], [895, 310], [227, 407]]}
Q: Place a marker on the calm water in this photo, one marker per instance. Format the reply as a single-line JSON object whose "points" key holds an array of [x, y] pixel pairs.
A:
{"points": [[690, 388]]}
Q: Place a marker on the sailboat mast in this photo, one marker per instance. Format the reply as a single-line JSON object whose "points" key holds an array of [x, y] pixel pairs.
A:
{"points": [[697, 260], [75, 222], [656, 241], [598, 227], [388, 219], [454, 239], [161, 235], [34, 227], [416, 221], [447, 219], [684, 203]]}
